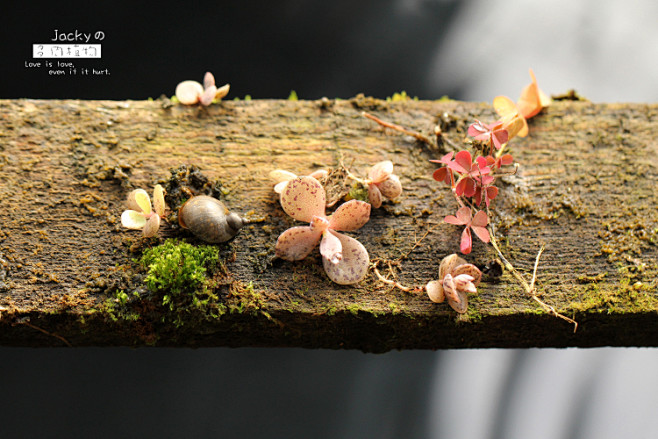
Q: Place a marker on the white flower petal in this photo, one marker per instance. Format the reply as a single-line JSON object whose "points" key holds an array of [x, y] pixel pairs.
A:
{"points": [[189, 92], [132, 219]]}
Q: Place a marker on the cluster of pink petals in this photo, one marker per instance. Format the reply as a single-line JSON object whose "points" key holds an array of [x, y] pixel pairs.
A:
{"points": [[345, 259], [191, 92], [457, 280], [493, 134], [477, 223], [140, 215], [382, 182]]}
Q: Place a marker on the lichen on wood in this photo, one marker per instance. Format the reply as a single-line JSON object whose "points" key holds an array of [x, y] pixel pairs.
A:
{"points": [[585, 189]]}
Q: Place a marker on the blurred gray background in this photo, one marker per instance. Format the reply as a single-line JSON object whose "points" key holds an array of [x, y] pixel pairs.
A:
{"points": [[470, 50]]}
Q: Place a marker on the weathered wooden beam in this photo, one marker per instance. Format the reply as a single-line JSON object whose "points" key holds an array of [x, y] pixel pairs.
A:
{"points": [[586, 189]]}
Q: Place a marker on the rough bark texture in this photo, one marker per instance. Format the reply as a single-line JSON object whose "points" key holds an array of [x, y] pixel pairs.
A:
{"points": [[586, 188]]}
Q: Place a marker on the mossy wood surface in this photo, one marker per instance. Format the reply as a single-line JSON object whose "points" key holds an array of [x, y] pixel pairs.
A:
{"points": [[586, 188]]}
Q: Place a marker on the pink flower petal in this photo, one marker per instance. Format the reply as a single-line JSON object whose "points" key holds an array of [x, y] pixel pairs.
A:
{"points": [[500, 137], [457, 299], [208, 95], [482, 233], [466, 242], [449, 288], [506, 159], [152, 226], [480, 219], [374, 196], [445, 159], [461, 305], [303, 198], [464, 214], [354, 265], [297, 242], [391, 188], [463, 160], [468, 186], [492, 192], [380, 171], [463, 217], [470, 270], [208, 80], [464, 282], [350, 216], [331, 248]]}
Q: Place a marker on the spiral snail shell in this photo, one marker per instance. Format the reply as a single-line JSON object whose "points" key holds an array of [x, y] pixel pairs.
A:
{"points": [[209, 219]]}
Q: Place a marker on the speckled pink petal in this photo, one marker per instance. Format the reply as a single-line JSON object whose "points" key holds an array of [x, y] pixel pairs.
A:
{"points": [[131, 219], [331, 248], [374, 196], [152, 226], [470, 270], [456, 299], [391, 187], [303, 198], [208, 80], [158, 200], [380, 171], [354, 265], [461, 305], [435, 291], [188, 92], [297, 242], [350, 216], [464, 282], [208, 95]]}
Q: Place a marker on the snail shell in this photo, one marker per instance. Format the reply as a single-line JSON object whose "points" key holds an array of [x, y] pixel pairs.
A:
{"points": [[209, 219]]}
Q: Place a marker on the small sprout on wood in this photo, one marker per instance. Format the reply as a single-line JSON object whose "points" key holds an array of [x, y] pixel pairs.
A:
{"points": [[345, 259], [191, 92], [140, 215], [381, 182], [457, 278]]}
